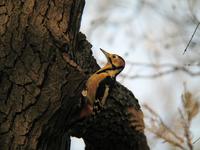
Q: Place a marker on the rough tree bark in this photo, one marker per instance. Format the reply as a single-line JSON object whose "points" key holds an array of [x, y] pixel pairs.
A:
{"points": [[40, 92]]}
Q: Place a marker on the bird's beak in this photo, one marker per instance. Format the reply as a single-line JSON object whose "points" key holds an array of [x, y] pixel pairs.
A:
{"points": [[106, 54]]}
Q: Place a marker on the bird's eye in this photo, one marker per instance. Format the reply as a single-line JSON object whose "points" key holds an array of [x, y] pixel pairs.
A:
{"points": [[114, 56]]}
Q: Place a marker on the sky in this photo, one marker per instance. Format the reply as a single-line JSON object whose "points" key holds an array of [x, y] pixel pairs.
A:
{"points": [[146, 31]]}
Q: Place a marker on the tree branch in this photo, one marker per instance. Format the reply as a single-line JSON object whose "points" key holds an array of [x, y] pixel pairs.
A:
{"points": [[170, 68], [191, 38]]}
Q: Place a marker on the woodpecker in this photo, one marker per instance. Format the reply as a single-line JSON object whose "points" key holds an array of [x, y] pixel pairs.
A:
{"points": [[99, 84]]}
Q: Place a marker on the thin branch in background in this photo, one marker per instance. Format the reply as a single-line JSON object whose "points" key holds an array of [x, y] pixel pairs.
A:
{"points": [[196, 141], [162, 131], [190, 108], [166, 139], [191, 38], [161, 122], [153, 65], [186, 127], [171, 69]]}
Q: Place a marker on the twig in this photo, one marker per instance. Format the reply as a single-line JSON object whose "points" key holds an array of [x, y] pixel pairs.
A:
{"points": [[161, 135], [196, 141], [166, 72], [163, 124], [191, 38], [151, 65], [186, 127]]}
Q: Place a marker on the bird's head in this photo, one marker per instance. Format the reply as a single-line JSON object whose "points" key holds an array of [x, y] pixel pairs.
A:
{"points": [[115, 63]]}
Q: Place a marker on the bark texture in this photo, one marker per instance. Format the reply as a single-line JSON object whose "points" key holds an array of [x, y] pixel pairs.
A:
{"points": [[40, 93]]}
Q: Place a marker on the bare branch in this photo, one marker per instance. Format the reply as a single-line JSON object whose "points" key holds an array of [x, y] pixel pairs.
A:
{"points": [[154, 114], [191, 38], [186, 127], [166, 139], [196, 141], [173, 69], [189, 109], [153, 65]]}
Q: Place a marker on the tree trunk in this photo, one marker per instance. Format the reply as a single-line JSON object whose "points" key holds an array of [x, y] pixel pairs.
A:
{"points": [[40, 90]]}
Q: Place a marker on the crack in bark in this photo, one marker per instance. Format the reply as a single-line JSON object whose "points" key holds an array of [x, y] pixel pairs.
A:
{"points": [[29, 134], [8, 93], [11, 142], [43, 107]]}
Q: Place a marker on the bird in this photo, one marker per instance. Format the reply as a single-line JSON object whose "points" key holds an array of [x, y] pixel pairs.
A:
{"points": [[100, 83]]}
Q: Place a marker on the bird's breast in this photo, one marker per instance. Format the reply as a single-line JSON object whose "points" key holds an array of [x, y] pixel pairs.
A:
{"points": [[93, 84]]}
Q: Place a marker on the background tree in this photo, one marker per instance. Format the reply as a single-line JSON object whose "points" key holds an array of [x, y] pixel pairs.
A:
{"points": [[40, 89]]}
